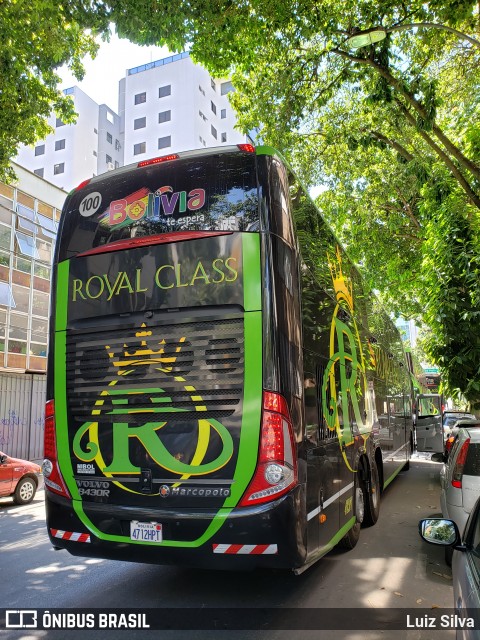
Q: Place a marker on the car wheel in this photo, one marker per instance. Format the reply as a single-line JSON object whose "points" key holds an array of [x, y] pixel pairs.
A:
{"points": [[25, 491], [350, 539]]}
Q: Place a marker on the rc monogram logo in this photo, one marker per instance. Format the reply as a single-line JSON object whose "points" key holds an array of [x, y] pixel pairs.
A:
{"points": [[119, 400], [344, 379]]}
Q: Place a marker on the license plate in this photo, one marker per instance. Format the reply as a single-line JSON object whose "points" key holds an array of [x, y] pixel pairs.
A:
{"points": [[145, 531]]}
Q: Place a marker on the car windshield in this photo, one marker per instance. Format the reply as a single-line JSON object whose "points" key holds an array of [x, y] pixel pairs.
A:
{"points": [[450, 419]]}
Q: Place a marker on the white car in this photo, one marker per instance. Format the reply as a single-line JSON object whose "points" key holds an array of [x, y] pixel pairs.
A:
{"points": [[460, 478], [449, 418]]}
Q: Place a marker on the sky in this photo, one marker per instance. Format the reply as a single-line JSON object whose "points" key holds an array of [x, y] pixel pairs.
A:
{"points": [[103, 73]]}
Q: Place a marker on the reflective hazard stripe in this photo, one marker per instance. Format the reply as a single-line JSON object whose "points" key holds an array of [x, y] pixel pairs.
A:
{"points": [[246, 549], [70, 535]]}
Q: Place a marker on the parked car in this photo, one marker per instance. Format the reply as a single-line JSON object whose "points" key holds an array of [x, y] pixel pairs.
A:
{"points": [[450, 417], [465, 563], [460, 478], [19, 478], [467, 423]]}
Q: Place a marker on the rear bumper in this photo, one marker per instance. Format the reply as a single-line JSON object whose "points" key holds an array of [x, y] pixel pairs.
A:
{"points": [[265, 536]]}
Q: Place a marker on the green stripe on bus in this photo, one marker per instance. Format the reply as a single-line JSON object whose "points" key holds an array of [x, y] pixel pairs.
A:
{"points": [[60, 378], [394, 475], [61, 294], [252, 282]]}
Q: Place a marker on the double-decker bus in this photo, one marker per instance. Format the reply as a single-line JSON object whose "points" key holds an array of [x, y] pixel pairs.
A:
{"points": [[222, 392]]}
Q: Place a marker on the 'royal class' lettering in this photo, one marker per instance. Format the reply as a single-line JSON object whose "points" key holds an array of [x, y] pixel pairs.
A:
{"points": [[167, 276]]}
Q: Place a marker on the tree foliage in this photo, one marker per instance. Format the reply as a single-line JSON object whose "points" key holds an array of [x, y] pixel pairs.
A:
{"points": [[389, 130], [37, 37]]}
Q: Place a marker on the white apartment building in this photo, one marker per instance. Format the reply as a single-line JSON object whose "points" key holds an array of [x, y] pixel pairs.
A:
{"points": [[165, 106], [75, 152], [174, 105]]}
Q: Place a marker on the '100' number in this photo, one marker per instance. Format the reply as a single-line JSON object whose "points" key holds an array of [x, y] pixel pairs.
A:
{"points": [[90, 204]]}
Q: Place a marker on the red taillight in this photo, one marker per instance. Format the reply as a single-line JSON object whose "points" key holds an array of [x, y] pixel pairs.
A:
{"points": [[146, 163], [52, 476], [249, 148], [449, 442], [276, 471], [83, 184], [459, 464]]}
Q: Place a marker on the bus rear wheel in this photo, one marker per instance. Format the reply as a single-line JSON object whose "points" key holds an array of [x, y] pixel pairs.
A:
{"points": [[350, 539], [372, 497]]}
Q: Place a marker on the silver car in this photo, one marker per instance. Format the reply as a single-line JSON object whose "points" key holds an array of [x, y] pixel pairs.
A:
{"points": [[460, 478], [449, 418], [465, 564]]}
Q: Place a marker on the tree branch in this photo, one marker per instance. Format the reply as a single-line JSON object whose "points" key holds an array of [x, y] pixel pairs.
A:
{"points": [[395, 145], [434, 25], [442, 155], [398, 86]]}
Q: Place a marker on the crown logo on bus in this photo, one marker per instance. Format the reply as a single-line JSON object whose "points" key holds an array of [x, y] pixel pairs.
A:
{"points": [[343, 289], [144, 355]]}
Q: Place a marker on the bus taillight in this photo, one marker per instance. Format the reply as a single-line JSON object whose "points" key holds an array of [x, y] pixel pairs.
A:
{"points": [[52, 476], [276, 471], [146, 163], [249, 148], [82, 184]]}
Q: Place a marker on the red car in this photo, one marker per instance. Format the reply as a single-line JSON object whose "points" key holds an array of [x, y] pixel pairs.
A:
{"points": [[19, 478]]}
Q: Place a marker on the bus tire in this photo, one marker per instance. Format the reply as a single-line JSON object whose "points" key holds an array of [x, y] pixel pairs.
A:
{"points": [[372, 497], [350, 539]]}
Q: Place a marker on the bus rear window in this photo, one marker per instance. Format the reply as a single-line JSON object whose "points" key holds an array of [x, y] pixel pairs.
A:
{"points": [[213, 193]]}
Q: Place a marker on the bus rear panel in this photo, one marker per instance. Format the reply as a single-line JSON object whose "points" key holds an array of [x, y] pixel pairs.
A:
{"points": [[156, 400]]}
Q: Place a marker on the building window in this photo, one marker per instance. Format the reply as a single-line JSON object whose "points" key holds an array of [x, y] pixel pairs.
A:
{"points": [[223, 114], [213, 107], [59, 123], [212, 82], [140, 123], [26, 245], [109, 138], [117, 164], [141, 97], [118, 146], [94, 153], [94, 130], [110, 117], [214, 131], [40, 150], [165, 91], [226, 87], [59, 145], [108, 159], [202, 116], [58, 168], [165, 142], [224, 137], [39, 172], [201, 90], [6, 297], [164, 116], [138, 148]]}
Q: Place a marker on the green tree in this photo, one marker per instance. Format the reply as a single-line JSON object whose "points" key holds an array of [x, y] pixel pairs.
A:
{"points": [[37, 37]]}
